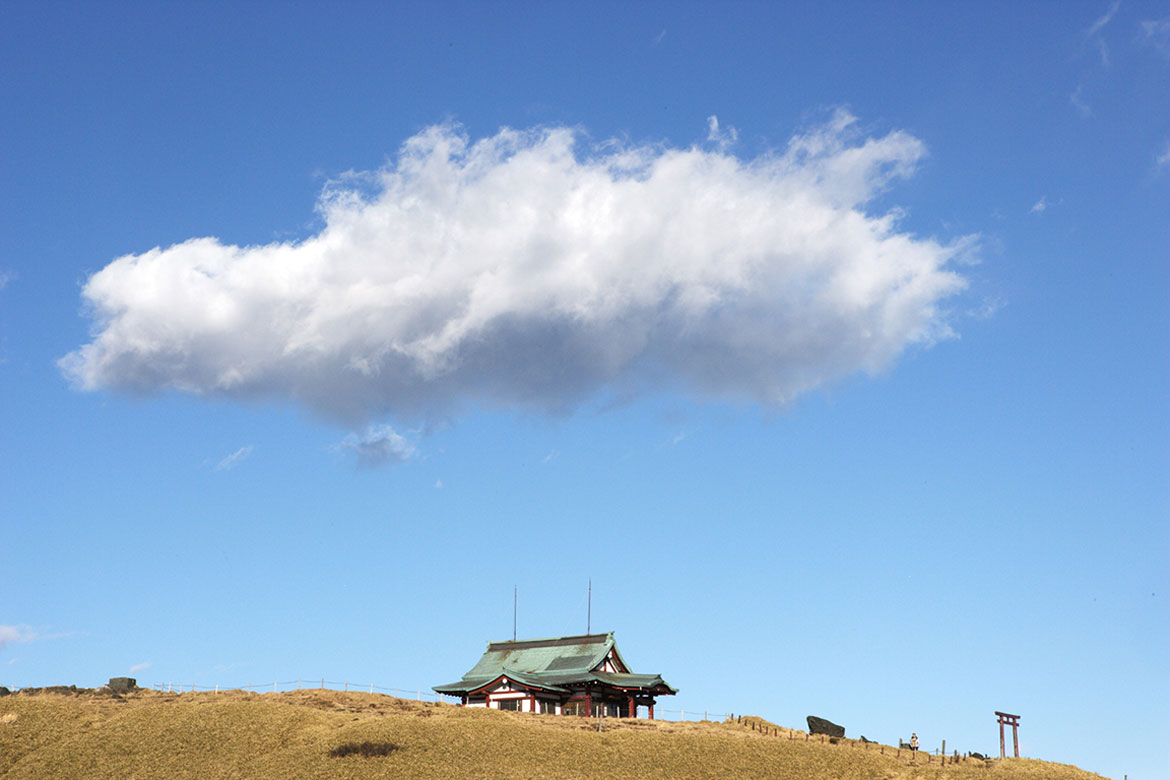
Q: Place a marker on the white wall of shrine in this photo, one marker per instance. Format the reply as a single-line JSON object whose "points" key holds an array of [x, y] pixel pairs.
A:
{"points": [[503, 696]]}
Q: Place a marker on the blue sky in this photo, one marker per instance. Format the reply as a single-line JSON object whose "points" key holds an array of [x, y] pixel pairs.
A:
{"points": [[829, 341]]}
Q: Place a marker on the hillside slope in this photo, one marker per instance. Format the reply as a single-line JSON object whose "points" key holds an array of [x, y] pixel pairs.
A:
{"points": [[324, 734]]}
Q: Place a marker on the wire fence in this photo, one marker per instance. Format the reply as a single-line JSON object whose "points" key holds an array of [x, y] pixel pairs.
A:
{"points": [[697, 716], [412, 693]]}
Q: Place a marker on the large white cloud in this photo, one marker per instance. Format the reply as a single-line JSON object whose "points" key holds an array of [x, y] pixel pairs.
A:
{"points": [[522, 269]]}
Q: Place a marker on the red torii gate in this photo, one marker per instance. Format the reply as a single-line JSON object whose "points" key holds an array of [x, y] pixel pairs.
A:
{"points": [[1014, 722]]}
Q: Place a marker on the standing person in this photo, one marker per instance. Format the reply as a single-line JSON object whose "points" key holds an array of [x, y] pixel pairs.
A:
{"points": [[914, 743]]}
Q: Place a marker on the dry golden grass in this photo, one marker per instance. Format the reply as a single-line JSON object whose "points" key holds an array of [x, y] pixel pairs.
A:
{"points": [[321, 734]]}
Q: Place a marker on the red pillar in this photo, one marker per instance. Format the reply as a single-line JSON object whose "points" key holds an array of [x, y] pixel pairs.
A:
{"points": [[588, 704], [1015, 739], [1001, 749], [633, 707], [651, 710]]}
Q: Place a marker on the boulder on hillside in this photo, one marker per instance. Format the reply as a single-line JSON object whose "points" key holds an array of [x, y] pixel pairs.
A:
{"points": [[123, 684], [4, 691], [821, 726]]}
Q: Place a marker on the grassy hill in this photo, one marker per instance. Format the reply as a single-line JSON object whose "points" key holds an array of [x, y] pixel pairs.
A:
{"points": [[328, 734]]}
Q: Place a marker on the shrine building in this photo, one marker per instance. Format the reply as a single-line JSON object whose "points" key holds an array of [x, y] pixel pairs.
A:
{"points": [[569, 675]]}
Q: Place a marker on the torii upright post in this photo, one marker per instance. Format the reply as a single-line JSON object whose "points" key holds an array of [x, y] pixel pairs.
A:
{"points": [[1014, 722]]}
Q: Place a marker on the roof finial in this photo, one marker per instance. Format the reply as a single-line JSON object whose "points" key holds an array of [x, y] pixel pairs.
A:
{"points": [[589, 609], [515, 590]]}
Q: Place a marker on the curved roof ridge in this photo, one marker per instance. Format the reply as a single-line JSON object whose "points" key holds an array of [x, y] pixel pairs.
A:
{"points": [[549, 641]]}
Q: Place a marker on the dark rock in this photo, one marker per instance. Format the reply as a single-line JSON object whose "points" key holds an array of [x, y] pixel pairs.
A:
{"points": [[123, 684], [4, 691], [863, 739], [821, 726], [978, 755]]}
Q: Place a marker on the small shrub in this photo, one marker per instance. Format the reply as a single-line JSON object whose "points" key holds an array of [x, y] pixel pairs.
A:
{"points": [[367, 749]]}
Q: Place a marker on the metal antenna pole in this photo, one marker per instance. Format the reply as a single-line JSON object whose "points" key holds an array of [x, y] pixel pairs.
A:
{"points": [[589, 612], [515, 589]]}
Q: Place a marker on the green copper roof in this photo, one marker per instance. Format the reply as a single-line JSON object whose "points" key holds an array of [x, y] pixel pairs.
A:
{"points": [[553, 663], [559, 654]]}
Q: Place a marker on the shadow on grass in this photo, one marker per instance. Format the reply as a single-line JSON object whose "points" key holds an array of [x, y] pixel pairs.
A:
{"points": [[367, 749]]}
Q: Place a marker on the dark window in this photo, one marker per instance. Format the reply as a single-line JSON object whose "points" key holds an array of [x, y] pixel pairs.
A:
{"points": [[511, 704]]}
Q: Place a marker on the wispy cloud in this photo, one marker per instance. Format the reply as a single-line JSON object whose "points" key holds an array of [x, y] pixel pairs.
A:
{"points": [[378, 445], [660, 37], [1039, 206], [140, 667], [1094, 32], [22, 634], [1078, 101], [1156, 32], [987, 308], [524, 270], [1099, 24], [723, 138], [235, 459], [6, 277], [1163, 159]]}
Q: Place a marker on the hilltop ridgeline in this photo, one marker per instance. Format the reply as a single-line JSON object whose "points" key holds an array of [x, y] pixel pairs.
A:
{"points": [[100, 733]]}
